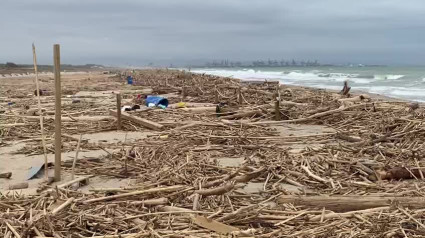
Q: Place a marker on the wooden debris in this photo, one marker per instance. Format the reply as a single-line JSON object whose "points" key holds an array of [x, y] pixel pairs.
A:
{"points": [[352, 203], [143, 122], [213, 225], [153, 190], [15, 186], [216, 191], [6, 175], [339, 172], [346, 89]]}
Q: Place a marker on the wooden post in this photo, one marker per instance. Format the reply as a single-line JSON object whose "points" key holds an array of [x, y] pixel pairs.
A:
{"points": [[119, 111], [58, 95], [43, 140], [76, 157], [240, 96], [216, 99], [277, 105], [183, 93]]}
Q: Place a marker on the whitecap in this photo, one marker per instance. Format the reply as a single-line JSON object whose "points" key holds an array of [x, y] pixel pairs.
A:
{"points": [[388, 76]]}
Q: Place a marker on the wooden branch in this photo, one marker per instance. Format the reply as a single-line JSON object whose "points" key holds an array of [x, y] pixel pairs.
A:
{"points": [[216, 191], [198, 109], [132, 235], [74, 162], [68, 119], [138, 120], [13, 230], [153, 190], [151, 202], [312, 175], [348, 214], [314, 116], [355, 99], [249, 176], [243, 114], [62, 206]]}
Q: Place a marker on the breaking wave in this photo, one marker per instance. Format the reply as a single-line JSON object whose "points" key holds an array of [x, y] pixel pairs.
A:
{"points": [[393, 85]]}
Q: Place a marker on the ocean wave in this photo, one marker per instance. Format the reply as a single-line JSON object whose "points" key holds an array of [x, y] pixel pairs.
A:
{"points": [[406, 92], [394, 91], [388, 76], [384, 84], [243, 74], [287, 76]]}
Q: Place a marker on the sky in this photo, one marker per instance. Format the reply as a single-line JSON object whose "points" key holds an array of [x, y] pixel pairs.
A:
{"points": [[138, 32]]}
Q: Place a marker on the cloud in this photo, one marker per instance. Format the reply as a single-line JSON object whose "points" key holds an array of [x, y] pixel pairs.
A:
{"points": [[168, 31]]}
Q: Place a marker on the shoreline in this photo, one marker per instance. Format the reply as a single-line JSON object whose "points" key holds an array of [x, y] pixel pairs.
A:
{"points": [[400, 83], [355, 92]]}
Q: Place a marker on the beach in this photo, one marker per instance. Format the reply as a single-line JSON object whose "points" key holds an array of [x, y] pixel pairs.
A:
{"points": [[227, 157]]}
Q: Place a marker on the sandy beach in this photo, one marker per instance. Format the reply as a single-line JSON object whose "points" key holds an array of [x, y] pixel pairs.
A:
{"points": [[226, 158]]}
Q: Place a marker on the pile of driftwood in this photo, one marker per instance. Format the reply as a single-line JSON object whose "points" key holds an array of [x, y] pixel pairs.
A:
{"points": [[219, 165]]}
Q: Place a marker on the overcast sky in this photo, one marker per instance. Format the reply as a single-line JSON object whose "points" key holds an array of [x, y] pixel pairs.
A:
{"points": [[179, 31]]}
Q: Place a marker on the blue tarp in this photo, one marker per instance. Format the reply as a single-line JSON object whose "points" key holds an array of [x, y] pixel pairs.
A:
{"points": [[157, 101]]}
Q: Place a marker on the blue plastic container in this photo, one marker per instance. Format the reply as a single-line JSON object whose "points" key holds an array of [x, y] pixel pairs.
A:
{"points": [[129, 80], [157, 101]]}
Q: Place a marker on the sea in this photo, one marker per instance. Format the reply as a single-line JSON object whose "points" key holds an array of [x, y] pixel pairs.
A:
{"points": [[406, 83]]}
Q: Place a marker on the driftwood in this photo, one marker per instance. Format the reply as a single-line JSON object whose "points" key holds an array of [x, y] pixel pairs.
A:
{"points": [[69, 119], [198, 109], [249, 176], [243, 114], [140, 121], [216, 191], [346, 89], [153, 190], [352, 203], [213, 225], [355, 99], [63, 205], [6, 175], [314, 116], [164, 174], [22, 185], [151, 202], [399, 173]]}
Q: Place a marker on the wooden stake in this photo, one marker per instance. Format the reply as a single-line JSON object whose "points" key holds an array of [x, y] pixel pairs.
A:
{"points": [[58, 95], [43, 139], [240, 96], [76, 157], [119, 111], [183, 93], [216, 99], [277, 108]]}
